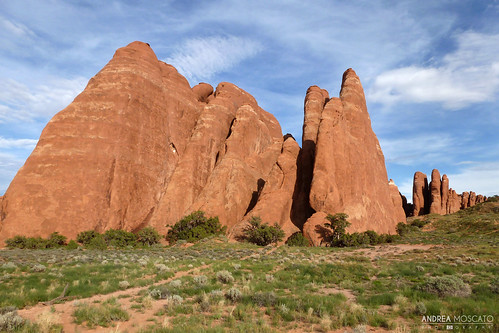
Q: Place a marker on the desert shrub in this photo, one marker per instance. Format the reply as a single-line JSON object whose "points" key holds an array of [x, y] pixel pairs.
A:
{"points": [[16, 242], [97, 243], [34, 243], [119, 238], [418, 223], [148, 236], [38, 268], [124, 284], [262, 234], [373, 236], [420, 308], [403, 229], [297, 239], [446, 286], [200, 280], [72, 245], [264, 298], [175, 300], [10, 321], [85, 237], [194, 227], [233, 294], [55, 240], [225, 276]]}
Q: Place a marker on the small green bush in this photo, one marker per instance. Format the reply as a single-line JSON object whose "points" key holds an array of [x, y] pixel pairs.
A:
{"points": [[194, 227], [72, 245], [120, 238], [262, 234], [403, 229], [233, 294], [225, 276], [446, 286], [16, 242], [419, 223], [55, 240], [297, 239], [85, 237], [97, 243], [148, 236], [264, 298]]}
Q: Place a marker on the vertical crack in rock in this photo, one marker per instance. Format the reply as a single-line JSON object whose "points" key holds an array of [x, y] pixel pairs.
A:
{"points": [[110, 182]]}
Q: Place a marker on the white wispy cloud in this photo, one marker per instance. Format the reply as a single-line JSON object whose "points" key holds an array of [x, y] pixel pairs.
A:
{"points": [[17, 143], [16, 28], [468, 75], [20, 102], [201, 58], [413, 150], [482, 178]]}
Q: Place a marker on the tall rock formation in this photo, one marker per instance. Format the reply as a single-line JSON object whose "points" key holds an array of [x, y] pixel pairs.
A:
{"points": [[435, 194], [453, 202], [349, 174], [137, 137], [465, 200], [420, 194], [140, 147], [445, 195]]}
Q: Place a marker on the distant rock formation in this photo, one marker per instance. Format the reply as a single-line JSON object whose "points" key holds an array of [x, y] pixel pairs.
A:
{"points": [[438, 198], [140, 147]]}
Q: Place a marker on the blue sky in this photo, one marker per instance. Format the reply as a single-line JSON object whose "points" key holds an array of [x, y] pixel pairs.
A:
{"points": [[430, 69]]}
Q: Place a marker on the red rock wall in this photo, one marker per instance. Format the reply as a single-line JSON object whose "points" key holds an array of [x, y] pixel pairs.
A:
{"points": [[139, 147]]}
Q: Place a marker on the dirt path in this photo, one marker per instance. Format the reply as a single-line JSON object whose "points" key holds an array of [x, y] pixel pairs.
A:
{"points": [[383, 250], [63, 313]]}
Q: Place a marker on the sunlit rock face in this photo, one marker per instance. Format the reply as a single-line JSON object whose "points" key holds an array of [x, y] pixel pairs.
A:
{"points": [[438, 197], [140, 147]]}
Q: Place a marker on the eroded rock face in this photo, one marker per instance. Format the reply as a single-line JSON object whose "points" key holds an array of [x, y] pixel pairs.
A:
{"points": [[138, 147], [349, 169], [275, 201], [102, 162], [465, 200], [472, 200], [444, 190], [435, 194], [420, 194], [454, 202], [137, 137]]}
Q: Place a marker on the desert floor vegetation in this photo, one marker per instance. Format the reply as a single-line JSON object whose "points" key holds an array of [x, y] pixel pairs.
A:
{"points": [[442, 265]]}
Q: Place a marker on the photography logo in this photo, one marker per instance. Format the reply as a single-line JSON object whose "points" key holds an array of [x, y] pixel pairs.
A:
{"points": [[462, 322]]}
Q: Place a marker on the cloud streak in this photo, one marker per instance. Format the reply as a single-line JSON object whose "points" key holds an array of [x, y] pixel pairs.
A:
{"points": [[19, 102], [468, 75], [17, 143], [201, 58]]}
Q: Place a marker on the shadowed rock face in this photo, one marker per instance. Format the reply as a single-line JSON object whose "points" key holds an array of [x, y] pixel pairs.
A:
{"points": [[138, 147]]}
